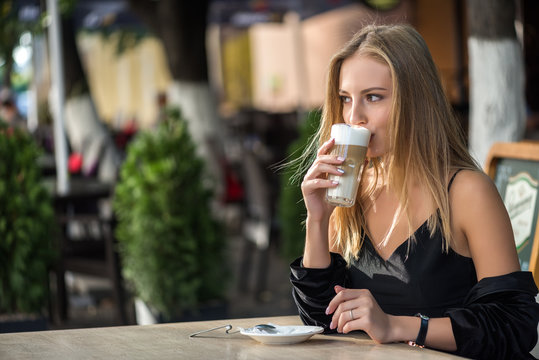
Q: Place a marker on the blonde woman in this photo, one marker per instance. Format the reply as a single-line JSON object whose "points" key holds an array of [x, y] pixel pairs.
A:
{"points": [[426, 255]]}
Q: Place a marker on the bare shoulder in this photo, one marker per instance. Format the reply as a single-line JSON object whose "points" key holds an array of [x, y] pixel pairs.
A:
{"points": [[475, 199], [480, 216], [472, 185]]}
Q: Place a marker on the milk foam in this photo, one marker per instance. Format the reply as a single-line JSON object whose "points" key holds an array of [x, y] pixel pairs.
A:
{"points": [[346, 134]]}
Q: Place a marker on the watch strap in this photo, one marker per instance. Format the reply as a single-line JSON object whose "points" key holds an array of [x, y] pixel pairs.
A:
{"points": [[422, 334]]}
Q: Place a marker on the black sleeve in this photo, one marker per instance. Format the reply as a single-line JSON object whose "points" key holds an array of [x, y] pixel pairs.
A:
{"points": [[498, 319], [312, 289]]}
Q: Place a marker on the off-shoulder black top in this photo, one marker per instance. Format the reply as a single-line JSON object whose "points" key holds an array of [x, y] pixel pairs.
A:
{"points": [[495, 318]]}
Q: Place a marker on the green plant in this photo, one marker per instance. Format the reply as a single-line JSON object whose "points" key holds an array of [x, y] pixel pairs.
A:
{"points": [[291, 209], [26, 225], [170, 244]]}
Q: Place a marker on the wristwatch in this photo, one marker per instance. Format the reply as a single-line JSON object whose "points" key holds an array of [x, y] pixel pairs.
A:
{"points": [[422, 334]]}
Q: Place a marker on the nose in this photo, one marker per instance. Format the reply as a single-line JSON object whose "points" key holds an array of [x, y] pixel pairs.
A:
{"points": [[357, 115]]}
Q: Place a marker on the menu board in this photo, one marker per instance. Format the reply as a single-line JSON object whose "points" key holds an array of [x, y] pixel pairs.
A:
{"points": [[517, 181]]}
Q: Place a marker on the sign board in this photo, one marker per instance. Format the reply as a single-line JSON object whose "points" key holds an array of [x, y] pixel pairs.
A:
{"points": [[514, 167]]}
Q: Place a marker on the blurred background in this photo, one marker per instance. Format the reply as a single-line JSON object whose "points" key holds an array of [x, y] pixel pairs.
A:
{"points": [[140, 142]]}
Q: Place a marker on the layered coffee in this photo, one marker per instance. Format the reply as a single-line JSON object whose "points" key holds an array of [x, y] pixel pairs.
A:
{"points": [[350, 144]]}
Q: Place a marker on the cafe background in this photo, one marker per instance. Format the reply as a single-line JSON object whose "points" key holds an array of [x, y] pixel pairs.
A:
{"points": [[245, 112]]}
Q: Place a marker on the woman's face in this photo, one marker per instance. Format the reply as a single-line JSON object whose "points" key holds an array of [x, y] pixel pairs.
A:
{"points": [[366, 95]]}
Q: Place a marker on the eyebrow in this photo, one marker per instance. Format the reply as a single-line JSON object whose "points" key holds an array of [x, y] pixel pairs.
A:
{"points": [[375, 88]]}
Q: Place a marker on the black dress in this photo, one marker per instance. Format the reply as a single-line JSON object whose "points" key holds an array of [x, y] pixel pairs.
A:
{"points": [[495, 318]]}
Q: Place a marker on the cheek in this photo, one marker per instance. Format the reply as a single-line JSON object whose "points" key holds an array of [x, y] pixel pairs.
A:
{"points": [[382, 119], [377, 145]]}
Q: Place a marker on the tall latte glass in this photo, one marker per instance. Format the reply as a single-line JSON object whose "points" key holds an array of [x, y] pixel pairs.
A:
{"points": [[351, 144]]}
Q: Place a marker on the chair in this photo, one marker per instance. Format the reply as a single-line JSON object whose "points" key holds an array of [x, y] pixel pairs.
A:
{"points": [[514, 168], [87, 244]]}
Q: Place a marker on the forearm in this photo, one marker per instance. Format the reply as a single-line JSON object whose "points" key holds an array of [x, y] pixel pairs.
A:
{"points": [[316, 253], [439, 334]]}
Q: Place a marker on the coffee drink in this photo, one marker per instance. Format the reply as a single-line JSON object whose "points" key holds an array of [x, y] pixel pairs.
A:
{"points": [[351, 144]]}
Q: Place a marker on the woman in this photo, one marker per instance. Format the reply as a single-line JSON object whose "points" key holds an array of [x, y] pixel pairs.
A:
{"points": [[429, 236]]}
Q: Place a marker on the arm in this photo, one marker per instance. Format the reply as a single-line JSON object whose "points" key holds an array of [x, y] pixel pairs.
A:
{"points": [[499, 317], [312, 289], [314, 186], [481, 219], [315, 274], [381, 327], [482, 230], [316, 253]]}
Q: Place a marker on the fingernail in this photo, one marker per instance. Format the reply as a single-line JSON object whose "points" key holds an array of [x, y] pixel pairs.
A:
{"points": [[331, 325], [340, 170], [327, 310], [340, 158], [334, 182]]}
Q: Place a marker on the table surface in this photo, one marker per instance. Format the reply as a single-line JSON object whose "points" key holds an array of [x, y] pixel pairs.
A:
{"points": [[172, 341]]}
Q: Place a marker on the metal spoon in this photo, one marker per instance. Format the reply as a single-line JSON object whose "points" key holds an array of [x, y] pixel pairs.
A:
{"points": [[267, 328]]}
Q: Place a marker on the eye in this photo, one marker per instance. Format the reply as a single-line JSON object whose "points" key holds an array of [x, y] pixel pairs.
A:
{"points": [[345, 99], [374, 97]]}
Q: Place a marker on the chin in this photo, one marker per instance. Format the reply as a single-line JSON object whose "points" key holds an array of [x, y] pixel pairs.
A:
{"points": [[372, 152], [375, 153]]}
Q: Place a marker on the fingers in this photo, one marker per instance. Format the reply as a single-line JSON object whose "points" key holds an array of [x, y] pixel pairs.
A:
{"points": [[323, 164], [349, 307], [356, 309], [309, 186], [349, 312], [323, 174], [324, 149], [352, 319], [344, 295]]}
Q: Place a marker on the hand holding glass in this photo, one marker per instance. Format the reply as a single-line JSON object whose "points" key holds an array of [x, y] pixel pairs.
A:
{"points": [[351, 144]]}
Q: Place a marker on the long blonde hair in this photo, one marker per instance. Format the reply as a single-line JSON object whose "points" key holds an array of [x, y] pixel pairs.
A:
{"points": [[424, 136]]}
